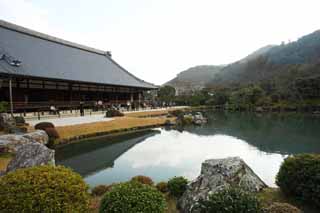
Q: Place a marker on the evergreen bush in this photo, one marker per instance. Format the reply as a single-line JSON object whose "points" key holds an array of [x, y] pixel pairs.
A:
{"points": [[299, 176], [43, 189], [177, 186], [132, 197], [101, 189], [143, 179], [19, 120], [44, 125], [162, 187], [113, 113], [232, 200]]}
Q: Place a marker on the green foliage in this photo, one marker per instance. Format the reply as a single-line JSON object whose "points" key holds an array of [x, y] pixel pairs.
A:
{"points": [[19, 120], [133, 197], [44, 125], [114, 113], [185, 120], [177, 186], [162, 187], [3, 106], [247, 96], [166, 93], [177, 113], [299, 176], [219, 97], [282, 208], [231, 200], [101, 189], [43, 189], [143, 180]]}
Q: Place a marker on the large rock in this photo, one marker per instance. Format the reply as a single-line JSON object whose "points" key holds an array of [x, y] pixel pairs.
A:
{"points": [[32, 154], [11, 142], [39, 136], [218, 174]]}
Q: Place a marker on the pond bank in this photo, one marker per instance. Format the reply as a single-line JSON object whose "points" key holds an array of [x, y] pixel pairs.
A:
{"points": [[130, 122]]}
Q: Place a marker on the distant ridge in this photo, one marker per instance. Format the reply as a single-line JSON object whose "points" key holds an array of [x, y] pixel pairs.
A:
{"points": [[194, 78]]}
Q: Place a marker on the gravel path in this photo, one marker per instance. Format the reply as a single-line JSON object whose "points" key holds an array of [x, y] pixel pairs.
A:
{"points": [[67, 121]]}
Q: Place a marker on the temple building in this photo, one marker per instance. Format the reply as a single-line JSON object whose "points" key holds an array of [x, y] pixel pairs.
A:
{"points": [[44, 70]]}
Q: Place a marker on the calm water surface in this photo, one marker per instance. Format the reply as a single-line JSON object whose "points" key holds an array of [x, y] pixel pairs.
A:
{"points": [[263, 141]]}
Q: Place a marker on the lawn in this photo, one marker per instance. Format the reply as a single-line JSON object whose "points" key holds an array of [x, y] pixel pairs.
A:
{"points": [[119, 123]]}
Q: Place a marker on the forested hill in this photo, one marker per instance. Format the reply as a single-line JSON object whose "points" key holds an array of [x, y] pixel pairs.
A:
{"points": [[194, 78], [282, 64]]}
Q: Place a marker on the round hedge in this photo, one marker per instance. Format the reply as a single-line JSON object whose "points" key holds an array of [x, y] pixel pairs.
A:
{"points": [[133, 197], [101, 189], [143, 179], [299, 176], [162, 187], [43, 189], [44, 125], [282, 208], [177, 186], [231, 200]]}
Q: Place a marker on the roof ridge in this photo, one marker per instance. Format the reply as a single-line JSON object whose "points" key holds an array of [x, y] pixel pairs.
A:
{"points": [[47, 37]]}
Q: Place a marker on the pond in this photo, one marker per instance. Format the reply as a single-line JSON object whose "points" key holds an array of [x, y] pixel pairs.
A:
{"points": [[263, 141]]}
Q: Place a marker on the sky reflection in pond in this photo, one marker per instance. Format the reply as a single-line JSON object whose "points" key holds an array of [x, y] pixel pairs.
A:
{"points": [[263, 142]]}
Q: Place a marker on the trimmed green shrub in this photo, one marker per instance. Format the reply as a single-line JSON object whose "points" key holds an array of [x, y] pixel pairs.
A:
{"points": [[177, 186], [44, 125], [101, 189], [133, 197], [282, 208], [232, 200], [53, 136], [162, 187], [114, 113], [299, 176], [176, 113], [4, 106], [143, 179], [43, 189], [20, 120]]}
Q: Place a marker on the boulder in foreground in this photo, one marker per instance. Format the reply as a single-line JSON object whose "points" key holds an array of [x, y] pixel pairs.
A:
{"points": [[32, 154], [11, 142], [216, 175]]}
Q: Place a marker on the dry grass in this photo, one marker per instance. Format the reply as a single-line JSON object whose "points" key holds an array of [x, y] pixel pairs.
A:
{"points": [[145, 114], [271, 195], [5, 158], [119, 123], [171, 203]]}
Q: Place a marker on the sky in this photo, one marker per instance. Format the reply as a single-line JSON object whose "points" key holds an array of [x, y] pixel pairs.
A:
{"points": [[157, 39]]}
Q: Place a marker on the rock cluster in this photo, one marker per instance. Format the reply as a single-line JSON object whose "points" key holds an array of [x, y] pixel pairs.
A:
{"points": [[29, 149], [11, 142], [191, 118], [199, 119], [218, 174], [31, 154]]}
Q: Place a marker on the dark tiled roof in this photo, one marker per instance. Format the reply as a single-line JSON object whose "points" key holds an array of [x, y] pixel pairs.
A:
{"points": [[50, 57]]}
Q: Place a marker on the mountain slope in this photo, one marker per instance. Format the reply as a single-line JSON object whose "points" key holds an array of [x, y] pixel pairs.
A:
{"points": [[194, 78], [290, 61]]}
